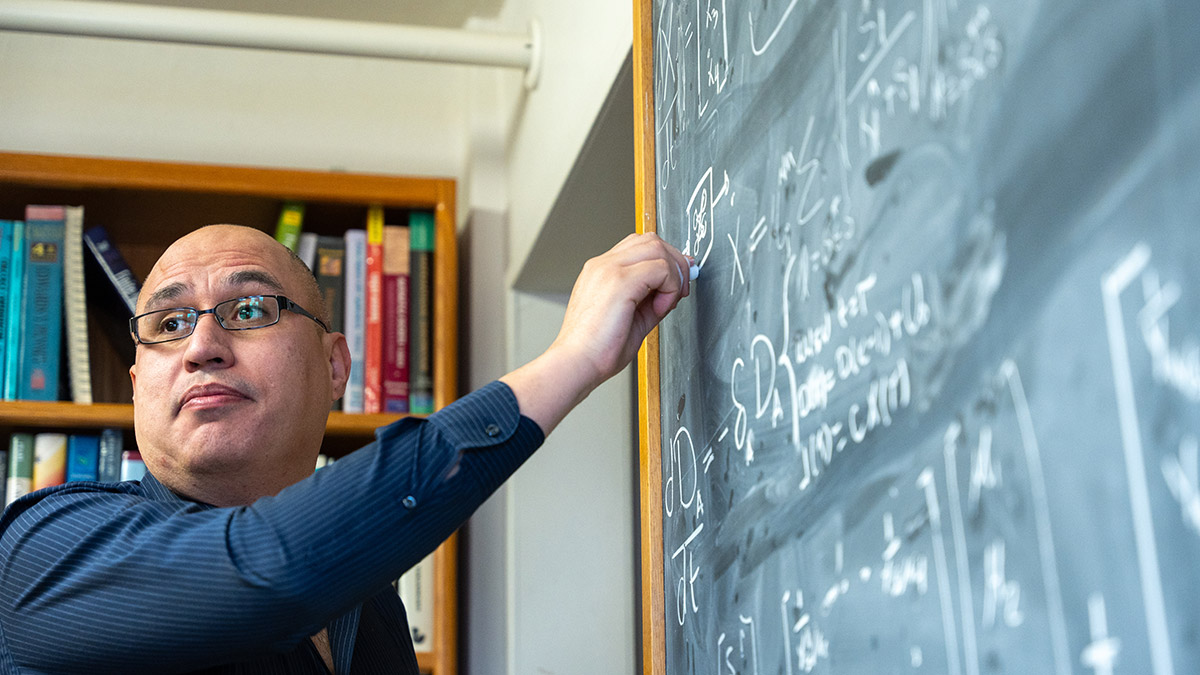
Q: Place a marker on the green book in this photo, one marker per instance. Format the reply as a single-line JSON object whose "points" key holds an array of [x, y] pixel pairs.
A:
{"points": [[20, 466], [291, 222]]}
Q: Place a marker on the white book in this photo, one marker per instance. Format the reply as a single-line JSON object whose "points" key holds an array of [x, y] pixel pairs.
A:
{"points": [[416, 592], [75, 307], [354, 321]]}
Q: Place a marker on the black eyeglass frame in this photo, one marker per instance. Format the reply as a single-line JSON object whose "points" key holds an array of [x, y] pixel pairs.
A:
{"points": [[285, 304]]}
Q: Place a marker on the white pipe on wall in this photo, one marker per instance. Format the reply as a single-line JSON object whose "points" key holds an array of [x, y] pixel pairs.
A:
{"points": [[267, 31]]}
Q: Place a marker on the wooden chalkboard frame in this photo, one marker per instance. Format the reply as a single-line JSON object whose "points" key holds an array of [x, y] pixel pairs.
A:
{"points": [[650, 432]]}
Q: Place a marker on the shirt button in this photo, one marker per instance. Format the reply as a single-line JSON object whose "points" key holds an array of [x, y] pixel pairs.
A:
{"points": [[409, 502], [492, 430]]}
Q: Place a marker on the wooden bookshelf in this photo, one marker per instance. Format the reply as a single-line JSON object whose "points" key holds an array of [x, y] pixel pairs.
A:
{"points": [[146, 205]]}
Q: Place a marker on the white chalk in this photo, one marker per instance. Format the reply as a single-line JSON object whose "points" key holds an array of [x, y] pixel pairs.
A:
{"points": [[693, 272]]}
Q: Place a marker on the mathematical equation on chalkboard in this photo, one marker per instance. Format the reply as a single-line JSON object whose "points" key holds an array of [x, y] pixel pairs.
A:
{"points": [[934, 403]]}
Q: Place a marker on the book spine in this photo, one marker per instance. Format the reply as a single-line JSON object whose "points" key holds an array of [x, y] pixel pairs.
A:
{"points": [[331, 277], [83, 457], [42, 323], [420, 368], [416, 592], [395, 319], [16, 299], [354, 320], [289, 225], [373, 345], [113, 264], [306, 250], [6, 246], [75, 308], [108, 462], [132, 466], [20, 466], [49, 460]]}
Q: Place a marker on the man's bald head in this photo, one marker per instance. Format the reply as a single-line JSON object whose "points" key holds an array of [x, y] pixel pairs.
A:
{"points": [[293, 276]]}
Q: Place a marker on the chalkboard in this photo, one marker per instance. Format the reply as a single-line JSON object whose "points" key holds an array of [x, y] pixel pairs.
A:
{"points": [[933, 405]]}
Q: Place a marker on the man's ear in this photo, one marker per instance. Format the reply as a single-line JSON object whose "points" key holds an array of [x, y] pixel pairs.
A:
{"points": [[339, 363], [133, 377]]}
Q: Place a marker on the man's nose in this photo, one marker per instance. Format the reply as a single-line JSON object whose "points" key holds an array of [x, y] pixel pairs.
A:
{"points": [[208, 344]]}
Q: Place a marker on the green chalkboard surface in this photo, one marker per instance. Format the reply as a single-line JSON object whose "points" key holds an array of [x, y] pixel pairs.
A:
{"points": [[934, 403]]}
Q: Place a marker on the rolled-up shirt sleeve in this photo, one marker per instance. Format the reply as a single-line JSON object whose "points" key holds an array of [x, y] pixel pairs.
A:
{"points": [[112, 578]]}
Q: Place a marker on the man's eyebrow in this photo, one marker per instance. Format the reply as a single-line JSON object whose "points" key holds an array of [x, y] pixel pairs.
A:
{"points": [[248, 277], [173, 291], [165, 294]]}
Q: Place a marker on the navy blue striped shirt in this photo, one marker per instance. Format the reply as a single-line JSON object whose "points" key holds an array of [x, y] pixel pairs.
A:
{"points": [[129, 577]]}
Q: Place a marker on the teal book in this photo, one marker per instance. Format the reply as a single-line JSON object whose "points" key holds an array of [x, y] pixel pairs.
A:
{"points": [[41, 330], [6, 237], [20, 466], [420, 340], [12, 311], [83, 457]]}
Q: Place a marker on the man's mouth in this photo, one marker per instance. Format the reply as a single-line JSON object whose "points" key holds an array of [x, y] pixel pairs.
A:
{"points": [[211, 395]]}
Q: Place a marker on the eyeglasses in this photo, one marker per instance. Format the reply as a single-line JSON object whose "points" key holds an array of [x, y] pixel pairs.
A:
{"points": [[248, 313]]}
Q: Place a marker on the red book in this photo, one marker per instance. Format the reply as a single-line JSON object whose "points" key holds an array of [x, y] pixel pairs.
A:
{"points": [[395, 319], [373, 344]]}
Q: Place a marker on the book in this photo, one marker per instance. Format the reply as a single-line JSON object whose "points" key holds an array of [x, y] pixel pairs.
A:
{"points": [[83, 457], [354, 320], [331, 258], [49, 460], [132, 466], [12, 328], [41, 325], [395, 319], [75, 307], [416, 592], [373, 340], [420, 303], [108, 259], [306, 250], [20, 466], [291, 221], [6, 253], [112, 294], [108, 463]]}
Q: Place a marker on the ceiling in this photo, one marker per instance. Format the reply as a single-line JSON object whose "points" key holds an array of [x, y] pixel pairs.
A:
{"points": [[439, 13]]}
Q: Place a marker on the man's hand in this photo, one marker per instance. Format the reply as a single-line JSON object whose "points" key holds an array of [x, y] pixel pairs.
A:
{"points": [[618, 298]]}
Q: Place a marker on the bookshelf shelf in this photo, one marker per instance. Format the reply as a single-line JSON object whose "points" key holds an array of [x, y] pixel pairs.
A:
{"points": [[146, 205], [342, 429]]}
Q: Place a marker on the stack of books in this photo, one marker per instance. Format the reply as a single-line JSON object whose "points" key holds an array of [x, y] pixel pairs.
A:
{"points": [[378, 285], [32, 461]]}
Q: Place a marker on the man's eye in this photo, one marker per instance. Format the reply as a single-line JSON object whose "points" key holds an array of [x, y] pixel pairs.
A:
{"points": [[248, 311], [171, 323]]}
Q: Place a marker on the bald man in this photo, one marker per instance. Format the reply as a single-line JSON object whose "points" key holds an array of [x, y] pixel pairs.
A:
{"points": [[231, 555]]}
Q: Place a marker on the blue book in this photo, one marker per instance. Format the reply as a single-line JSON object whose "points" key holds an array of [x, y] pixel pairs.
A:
{"points": [[112, 263], [6, 235], [12, 310], [83, 457], [41, 330]]}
